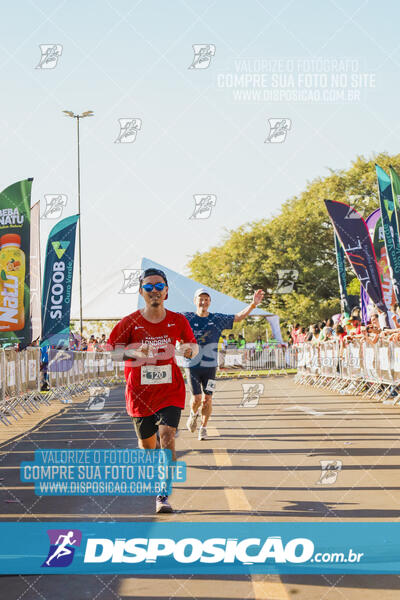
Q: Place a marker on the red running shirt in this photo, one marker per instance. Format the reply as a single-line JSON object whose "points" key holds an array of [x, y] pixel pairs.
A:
{"points": [[144, 399]]}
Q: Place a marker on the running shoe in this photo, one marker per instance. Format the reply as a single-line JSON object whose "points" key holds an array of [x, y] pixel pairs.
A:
{"points": [[202, 433], [162, 505], [191, 423]]}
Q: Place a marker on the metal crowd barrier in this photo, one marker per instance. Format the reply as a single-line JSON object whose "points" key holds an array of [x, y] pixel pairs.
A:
{"points": [[357, 367], [20, 383], [250, 359], [73, 373], [67, 373]]}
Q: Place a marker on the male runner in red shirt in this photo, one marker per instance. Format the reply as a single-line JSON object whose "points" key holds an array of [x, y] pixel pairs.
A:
{"points": [[155, 390]]}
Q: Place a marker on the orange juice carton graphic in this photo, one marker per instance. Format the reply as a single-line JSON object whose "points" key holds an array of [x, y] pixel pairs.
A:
{"points": [[12, 279]]}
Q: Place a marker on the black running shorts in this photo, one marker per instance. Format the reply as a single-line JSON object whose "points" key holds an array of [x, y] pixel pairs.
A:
{"points": [[145, 427], [198, 378]]}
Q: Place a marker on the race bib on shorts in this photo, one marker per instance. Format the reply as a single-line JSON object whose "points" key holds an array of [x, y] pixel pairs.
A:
{"points": [[154, 374], [211, 385]]}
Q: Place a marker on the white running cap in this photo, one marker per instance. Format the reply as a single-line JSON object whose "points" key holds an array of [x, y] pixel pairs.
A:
{"points": [[201, 291]]}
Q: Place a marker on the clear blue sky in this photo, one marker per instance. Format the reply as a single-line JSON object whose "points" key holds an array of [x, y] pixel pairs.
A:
{"points": [[125, 59]]}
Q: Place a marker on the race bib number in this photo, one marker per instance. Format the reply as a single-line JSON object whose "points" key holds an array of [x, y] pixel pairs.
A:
{"points": [[154, 374], [211, 384]]}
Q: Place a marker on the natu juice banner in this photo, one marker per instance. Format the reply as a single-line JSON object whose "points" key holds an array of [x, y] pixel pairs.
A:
{"points": [[15, 222]]}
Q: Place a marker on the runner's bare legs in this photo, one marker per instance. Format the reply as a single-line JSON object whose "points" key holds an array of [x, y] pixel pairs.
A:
{"points": [[206, 407], [167, 440]]}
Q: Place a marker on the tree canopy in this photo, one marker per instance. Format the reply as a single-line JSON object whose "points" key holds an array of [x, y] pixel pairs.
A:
{"points": [[300, 237]]}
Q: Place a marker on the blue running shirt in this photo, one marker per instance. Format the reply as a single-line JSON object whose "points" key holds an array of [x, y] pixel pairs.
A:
{"points": [[207, 331]]}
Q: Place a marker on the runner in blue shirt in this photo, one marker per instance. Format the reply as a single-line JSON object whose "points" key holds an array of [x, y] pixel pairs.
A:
{"points": [[200, 372]]}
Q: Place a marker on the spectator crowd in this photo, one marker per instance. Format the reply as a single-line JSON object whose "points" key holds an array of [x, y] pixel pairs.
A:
{"points": [[346, 328]]}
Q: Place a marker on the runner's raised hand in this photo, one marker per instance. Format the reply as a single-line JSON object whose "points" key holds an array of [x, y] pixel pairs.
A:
{"points": [[258, 297]]}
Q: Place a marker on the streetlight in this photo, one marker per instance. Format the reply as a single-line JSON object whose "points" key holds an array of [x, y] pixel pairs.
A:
{"points": [[87, 113]]}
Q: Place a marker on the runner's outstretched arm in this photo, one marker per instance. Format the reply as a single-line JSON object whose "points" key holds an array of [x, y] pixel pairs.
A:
{"points": [[257, 298]]}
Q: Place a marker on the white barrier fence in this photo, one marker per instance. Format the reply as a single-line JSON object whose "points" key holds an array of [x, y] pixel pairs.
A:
{"points": [[353, 368], [67, 373], [273, 358]]}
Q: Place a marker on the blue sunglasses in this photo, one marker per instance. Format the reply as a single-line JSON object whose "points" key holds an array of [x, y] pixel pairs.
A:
{"points": [[148, 287]]}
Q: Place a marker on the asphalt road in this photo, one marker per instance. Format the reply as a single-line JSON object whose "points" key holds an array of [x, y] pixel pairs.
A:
{"points": [[262, 462]]}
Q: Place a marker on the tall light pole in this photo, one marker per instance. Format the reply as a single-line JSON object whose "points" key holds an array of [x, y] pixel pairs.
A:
{"points": [[87, 113]]}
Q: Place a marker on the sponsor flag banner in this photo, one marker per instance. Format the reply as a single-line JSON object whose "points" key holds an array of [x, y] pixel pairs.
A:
{"points": [[35, 272], [374, 223], [15, 214], [353, 233], [366, 305], [389, 225], [57, 283], [341, 268], [203, 548], [395, 180], [378, 240]]}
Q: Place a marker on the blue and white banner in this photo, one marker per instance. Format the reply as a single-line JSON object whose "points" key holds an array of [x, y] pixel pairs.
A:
{"points": [[57, 283], [201, 548]]}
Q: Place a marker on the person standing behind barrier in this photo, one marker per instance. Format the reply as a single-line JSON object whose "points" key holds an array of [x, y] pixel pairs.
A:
{"points": [[259, 345], [44, 364], [241, 343], [373, 330], [222, 345], [328, 329], [207, 328], [295, 332], [353, 326], [301, 336], [231, 342], [340, 336], [313, 334], [340, 332]]}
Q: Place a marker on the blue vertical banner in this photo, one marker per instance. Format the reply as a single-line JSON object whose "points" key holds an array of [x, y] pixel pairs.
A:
{"points": [[390, 231], [57, 283]]}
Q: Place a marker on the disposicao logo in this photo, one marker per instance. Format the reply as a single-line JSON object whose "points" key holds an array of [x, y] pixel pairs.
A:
{"points": [[60, 248], [62, 547], [190, 550]]}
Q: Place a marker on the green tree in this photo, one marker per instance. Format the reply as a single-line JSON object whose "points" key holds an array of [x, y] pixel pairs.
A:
{"points": [[354, 287], [300, 237]]}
